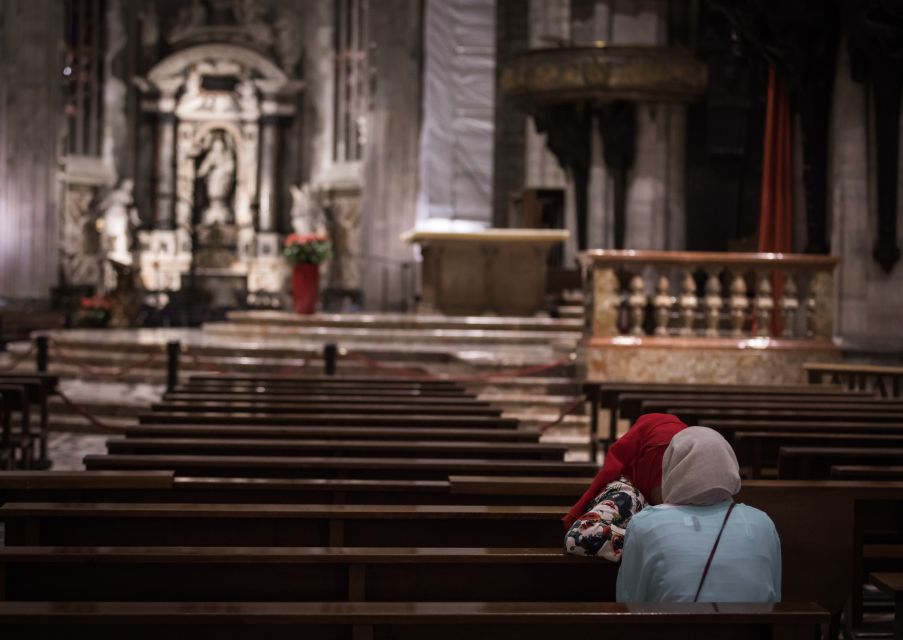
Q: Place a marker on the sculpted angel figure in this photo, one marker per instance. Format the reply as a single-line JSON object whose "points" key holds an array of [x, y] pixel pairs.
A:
{"points": [[118, 221], [307, 214]]}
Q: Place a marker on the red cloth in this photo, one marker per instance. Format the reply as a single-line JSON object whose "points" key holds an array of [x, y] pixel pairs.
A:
{"points": [[637, 455], [776, 204]]}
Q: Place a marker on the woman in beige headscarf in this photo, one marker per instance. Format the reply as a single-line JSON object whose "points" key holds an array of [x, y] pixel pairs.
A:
{"points": [[699, 545]]}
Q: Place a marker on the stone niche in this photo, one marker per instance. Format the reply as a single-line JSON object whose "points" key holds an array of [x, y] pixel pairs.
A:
{"points": [[218, 110]]}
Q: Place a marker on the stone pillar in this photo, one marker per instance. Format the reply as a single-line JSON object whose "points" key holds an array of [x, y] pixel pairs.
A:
{"points": [[392, 153], [166, 144], [30, 114], [269, 148]]}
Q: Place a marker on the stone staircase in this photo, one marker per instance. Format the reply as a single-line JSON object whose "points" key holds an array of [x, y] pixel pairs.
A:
{"points": [[116, 374]]}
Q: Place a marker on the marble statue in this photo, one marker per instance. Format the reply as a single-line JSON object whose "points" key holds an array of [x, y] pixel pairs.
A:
{"points": [[217, 170], [307, 214], [118, 222]]}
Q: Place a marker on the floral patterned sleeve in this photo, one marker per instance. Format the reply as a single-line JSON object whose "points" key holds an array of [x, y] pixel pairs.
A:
{"points": [[600, 531]]}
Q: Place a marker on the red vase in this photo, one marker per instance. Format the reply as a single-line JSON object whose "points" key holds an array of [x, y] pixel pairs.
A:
{"points": [[306, 287]]}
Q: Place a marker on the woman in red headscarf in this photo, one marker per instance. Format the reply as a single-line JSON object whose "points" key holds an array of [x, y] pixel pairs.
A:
{"points": [[630, 477]]}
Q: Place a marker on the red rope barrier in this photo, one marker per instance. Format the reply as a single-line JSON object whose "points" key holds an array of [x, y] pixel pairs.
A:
{"points": [[85, 413], [568, 409], [86, 368], [17, 361]]}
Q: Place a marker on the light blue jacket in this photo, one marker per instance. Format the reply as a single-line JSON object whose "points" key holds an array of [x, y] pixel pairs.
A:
{"points": [[666, 548]]}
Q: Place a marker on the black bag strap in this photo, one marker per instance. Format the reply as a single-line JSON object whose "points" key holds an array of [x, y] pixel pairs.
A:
{"points": [[708, 562]]}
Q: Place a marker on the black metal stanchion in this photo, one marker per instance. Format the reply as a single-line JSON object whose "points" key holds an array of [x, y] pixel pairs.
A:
{"points": [[42, 344], [330, 352], [173, 348]]}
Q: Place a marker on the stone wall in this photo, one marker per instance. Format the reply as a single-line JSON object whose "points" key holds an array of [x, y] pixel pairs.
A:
{"points": [[870, 301], [30, 110]]}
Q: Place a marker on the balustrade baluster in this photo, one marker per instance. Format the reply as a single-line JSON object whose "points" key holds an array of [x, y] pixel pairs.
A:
{"points": [[764, 303], [663, 303], [789, 305], [688, 304], [637, 304], [713, 303], [739, 303], [607, 302]]}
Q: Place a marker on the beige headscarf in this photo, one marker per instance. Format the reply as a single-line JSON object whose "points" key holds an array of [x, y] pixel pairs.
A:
{"points": [[699, 467]]}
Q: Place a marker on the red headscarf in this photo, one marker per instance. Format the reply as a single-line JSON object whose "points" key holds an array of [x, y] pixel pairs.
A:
{"points": [[637, 455]]}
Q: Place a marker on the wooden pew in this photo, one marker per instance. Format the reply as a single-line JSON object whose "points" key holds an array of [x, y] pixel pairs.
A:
{"points": [[632, 405], [323, 381], [302, 574], [695, 414], [844, 509], [38, 387], [407, 621], [334, 467], [439, 434], [336, 447], [814, 463], [325, 419], [606, 395], [296, 408], [165, 487], [757, 449], [363, 397], [16, 445], [892, 584], [92, 524], [886, 381], [335, 391]]}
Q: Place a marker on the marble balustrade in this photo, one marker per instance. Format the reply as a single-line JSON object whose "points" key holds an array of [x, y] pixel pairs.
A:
{"points": [[708, 295]]}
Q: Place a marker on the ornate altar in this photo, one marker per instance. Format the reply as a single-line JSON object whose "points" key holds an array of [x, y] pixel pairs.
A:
{"points": [[219, 106]]}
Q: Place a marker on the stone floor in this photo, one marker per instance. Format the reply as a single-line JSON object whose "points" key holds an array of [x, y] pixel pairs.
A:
{"points": [[67, 449]]}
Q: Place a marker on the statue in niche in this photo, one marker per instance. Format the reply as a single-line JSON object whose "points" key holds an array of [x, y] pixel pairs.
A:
{"points": [[190, 17], [307, 212], [217, 170], [288, 46], [118, 223]]}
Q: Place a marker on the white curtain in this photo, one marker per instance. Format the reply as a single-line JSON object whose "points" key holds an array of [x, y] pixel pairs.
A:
{"points": [[456, 140]]}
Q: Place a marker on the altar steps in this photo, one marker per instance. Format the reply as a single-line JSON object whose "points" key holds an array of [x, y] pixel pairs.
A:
{"points": [[534, 356], [404, 321]]}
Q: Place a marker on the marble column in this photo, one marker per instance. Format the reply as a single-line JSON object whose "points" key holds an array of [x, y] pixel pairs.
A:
{"points": [[269, 148], [166, 143]]}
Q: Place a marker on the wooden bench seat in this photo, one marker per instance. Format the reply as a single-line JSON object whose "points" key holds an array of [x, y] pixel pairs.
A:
{"points": [[440, 434], [265, 407], [164, 486], [407, 621], [703, 415], [317, 574], [332, 391], [812, 463], [632, 405], [331, 467], [326, 419], [111, 524], [360, 398], [866, 472], [359, 448]]}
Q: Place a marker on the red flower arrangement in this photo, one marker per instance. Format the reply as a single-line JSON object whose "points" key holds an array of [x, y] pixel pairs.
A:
{"points": [[309, 248]]}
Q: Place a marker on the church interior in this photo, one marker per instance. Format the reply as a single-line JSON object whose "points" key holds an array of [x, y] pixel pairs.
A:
{"points": [[317, 317]]}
